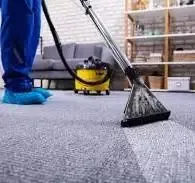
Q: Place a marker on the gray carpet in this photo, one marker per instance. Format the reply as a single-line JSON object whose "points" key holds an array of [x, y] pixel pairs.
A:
{"points": [[76, 138]]}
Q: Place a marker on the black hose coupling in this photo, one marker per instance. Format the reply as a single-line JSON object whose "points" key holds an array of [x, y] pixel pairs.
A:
{"points": [[86, 5]]}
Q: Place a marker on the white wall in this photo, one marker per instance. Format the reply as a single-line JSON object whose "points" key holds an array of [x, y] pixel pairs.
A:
{"points": [[74, 26]]}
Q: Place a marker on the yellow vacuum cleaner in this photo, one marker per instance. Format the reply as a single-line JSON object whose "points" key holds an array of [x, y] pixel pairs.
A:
{"points": [[92, 70]]}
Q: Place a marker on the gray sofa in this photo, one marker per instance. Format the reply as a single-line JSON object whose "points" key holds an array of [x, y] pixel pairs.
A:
{"points": [[49, 66]]}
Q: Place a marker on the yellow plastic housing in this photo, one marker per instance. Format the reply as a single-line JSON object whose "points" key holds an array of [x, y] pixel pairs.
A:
{"points": [[92, 75]]}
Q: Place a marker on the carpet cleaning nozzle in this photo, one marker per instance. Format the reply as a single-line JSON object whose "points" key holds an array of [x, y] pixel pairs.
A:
{"points": [[142, 106]]}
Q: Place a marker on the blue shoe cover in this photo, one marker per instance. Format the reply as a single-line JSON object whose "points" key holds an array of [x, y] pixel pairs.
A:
{"points": [[23, 98], [46, 94]]}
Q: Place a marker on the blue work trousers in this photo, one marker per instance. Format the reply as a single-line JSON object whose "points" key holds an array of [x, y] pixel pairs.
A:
{"points": [[20, 32]]}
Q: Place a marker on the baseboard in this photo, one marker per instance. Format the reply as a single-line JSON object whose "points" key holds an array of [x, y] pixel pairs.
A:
{"points": [[164, 90]]}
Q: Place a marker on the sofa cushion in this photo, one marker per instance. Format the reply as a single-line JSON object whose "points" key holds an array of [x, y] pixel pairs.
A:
{"points": [[58, 64], [42, 65], [50, 52], [68, 50], [86, 50]]}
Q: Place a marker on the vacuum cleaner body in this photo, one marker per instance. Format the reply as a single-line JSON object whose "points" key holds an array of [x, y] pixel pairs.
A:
{"points": [[92, 70]]}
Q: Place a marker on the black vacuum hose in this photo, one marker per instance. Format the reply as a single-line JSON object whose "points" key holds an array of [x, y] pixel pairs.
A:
{"points": [[59, 48]]}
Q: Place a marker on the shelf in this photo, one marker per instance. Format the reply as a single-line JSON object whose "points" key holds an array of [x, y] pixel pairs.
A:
{"points": [[188, 38], [148, 63], [151, 14], [182, 36], [145, 38], [185, 36], [163, 63], [181, 11]]}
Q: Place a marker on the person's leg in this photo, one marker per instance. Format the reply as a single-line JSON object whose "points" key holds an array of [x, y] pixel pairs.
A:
{"points": [[17, 30]]}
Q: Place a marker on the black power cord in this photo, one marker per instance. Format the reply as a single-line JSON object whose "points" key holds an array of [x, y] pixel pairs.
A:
{"points": [[59, 48]]}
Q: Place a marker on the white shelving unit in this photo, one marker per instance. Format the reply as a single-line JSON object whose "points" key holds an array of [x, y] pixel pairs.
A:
{"points": [[168, 37]]}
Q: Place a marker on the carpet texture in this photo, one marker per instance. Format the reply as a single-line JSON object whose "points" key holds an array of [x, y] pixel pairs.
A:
{"points": [[76, 138]]}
